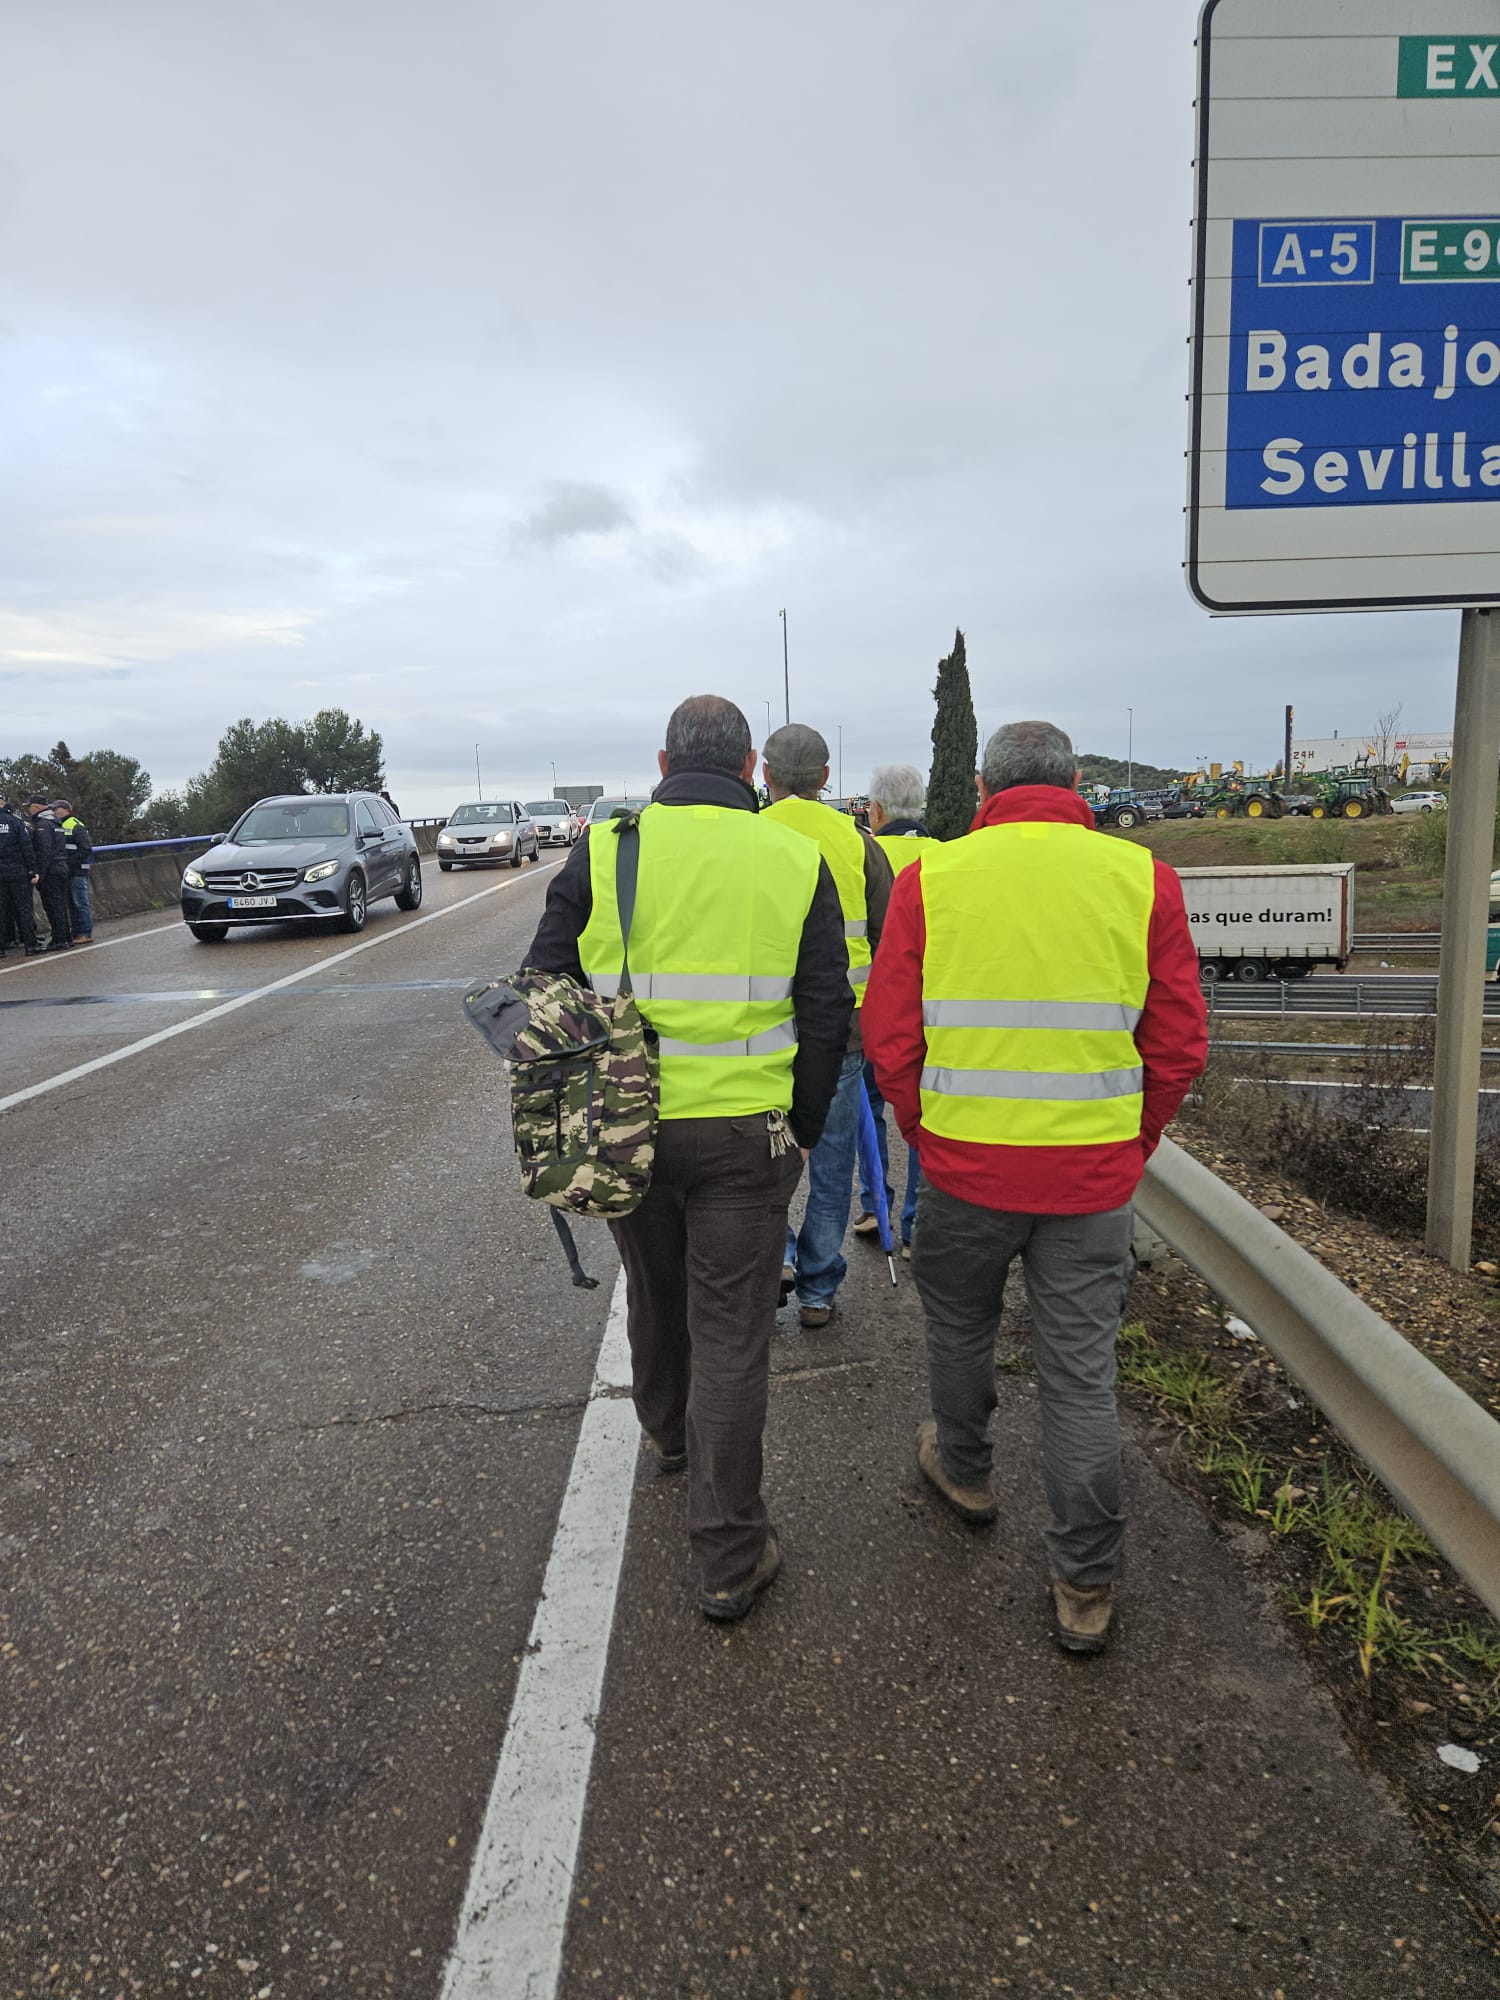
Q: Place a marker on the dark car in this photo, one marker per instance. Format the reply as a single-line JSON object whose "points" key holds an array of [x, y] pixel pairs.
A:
{"points": [[302, 858], [1182, 805]]}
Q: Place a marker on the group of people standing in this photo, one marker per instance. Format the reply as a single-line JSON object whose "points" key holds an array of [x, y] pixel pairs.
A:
{"points": [[1025, 999], [46, 849]]}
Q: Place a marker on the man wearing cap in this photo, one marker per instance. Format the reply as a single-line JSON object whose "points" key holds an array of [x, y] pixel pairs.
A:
{"points": [[736, 962], [1035, 1020], [794, 761], [52, 871], [80, 853], [17, 880]]}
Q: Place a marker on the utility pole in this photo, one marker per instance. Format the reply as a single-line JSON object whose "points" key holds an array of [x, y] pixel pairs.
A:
{"points": [[1286, 760], [478, 786], [1466, 888], [786, 672], [1130, 750], [841, 759]]}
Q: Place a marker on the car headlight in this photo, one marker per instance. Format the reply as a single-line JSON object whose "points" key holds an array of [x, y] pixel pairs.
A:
{"points": [[193, 879], [500, 840], [322, 872], [445, 840]]}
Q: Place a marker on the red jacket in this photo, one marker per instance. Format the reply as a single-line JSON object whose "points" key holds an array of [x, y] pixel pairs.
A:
{"points": [[1172, 1037]]}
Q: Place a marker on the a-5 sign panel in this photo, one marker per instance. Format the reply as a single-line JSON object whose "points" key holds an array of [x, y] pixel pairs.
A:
{"points": [[1345, 445]]}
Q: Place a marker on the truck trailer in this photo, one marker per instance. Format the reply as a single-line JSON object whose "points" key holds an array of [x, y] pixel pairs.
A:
{"points": [[1270, 923]]}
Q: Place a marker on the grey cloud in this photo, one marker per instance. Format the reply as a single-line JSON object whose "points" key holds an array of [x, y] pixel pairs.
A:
{"points": [[571, 509]]}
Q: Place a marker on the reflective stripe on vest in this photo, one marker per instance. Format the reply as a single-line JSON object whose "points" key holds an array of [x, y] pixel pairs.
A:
{"points": [[721, 899], [842, 847], [1034, 974]]}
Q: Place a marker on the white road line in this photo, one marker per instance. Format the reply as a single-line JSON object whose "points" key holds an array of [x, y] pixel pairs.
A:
{"points": [[101, 944], [246, 999], [515, 1911]]}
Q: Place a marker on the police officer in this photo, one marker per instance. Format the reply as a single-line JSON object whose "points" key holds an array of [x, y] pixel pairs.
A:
{"points": [[80, 852], [51, 849], [795, 762], [17, 879], [736, 957]]}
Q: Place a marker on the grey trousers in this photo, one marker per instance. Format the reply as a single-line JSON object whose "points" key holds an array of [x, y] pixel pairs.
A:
{"points": [[1077, 1270]]}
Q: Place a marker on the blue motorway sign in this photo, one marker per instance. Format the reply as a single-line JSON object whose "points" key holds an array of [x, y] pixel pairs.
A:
{"points": [[1364, 363]]}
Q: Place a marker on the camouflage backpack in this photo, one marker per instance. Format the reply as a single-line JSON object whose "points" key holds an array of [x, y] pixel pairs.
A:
{"points": [[584, 1090]]}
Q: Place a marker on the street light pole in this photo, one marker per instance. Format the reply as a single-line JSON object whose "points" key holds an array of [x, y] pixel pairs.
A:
{"points": [[554, 780], [786, 672], [1130, 752], [478, 786], [767, 706], [841, 759]]}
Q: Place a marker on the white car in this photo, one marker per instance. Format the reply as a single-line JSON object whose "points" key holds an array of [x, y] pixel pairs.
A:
{"points": [[553, 819], [1420, 802], [487, 831]]}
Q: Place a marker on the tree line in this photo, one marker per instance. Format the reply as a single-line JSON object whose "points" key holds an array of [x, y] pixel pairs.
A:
{"points": [[113, 795]]}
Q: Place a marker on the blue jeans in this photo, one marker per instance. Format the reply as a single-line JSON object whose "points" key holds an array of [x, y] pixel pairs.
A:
{"points": [[816, 1252], [913, 1166], [83, 913]]}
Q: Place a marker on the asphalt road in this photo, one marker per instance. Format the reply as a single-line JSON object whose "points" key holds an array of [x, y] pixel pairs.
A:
{"points": [[293, 1381]]}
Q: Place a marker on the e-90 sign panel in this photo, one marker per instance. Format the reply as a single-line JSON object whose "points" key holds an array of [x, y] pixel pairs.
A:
{"points": [[1345, 399]]}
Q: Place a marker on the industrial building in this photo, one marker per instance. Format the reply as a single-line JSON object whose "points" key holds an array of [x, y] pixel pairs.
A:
{"points": [[1422, 753]]}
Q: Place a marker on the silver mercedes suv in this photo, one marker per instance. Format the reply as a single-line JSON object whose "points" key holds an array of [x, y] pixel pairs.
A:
{"points": [[325, 855]]}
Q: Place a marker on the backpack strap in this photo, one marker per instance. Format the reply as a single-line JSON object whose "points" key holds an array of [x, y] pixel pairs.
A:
{"points": [[627, 869]]}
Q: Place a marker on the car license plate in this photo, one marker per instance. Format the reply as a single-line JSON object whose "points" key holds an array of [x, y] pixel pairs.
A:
{"points": [[252, 902]]}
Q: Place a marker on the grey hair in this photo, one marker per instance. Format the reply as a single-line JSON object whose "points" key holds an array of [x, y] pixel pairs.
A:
{"points": [[1029, 753], [899, 788], [707, 733], [796, 757]]}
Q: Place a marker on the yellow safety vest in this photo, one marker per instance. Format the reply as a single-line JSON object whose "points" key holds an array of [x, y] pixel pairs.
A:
{"points": [[1033, 979], [721, 898], [904, 848], [842, 847]]}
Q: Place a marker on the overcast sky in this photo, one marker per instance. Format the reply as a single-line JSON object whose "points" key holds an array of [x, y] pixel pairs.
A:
{"points": [[497, 372]]}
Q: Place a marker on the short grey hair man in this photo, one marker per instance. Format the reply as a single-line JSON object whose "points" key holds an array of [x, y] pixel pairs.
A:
{"points": [[1028, 753], [899, 790], [796, 761], [707, 733]]}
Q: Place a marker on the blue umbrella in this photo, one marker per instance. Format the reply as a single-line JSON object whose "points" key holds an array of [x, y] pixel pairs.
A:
{"points": [[869, 1159]]}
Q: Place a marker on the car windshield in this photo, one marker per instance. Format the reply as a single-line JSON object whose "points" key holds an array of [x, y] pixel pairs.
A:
{"points": [[483, 815], [317, 819], [607, 808], [547, 809]]}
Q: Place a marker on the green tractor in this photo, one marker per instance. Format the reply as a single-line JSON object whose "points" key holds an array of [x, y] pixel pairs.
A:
{"points": [[1244, 798], [1350, 798]]}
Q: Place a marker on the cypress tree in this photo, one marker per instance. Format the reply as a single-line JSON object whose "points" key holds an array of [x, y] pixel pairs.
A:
{"points": [[951, 799]]}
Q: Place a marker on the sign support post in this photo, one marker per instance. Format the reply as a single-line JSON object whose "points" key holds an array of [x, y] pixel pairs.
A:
{"points": [[1466, 890]]}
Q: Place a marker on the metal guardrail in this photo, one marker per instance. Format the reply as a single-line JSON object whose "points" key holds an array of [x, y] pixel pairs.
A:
{"points": [[1355, 997], [152, 846], [1398, 940], [1435, 1449], [1329, 1048]]}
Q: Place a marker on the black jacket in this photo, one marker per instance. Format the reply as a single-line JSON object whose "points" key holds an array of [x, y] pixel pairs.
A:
{"points": [[821, 993], [77, 844], [49, 843], [17, 851]]}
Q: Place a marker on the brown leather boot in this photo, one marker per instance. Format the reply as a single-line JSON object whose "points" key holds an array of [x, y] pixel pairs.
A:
{"points": [[1082, 1615], [974, 1505]]}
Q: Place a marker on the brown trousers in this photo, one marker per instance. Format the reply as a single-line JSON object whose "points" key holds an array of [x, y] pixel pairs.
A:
{"points": [[702, 1257]]}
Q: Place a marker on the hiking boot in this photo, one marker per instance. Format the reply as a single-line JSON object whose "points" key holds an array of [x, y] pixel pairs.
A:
{"points": [[726, 1606], [866, 1224], [788, 1285], [666, 1459], [906, 1253], [975, 1505], [814, 1317], [1082, 1615]]}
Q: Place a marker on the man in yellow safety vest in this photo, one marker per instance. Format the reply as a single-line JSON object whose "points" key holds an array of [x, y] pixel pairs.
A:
{"points": [[794, 760], [736, 960], [1035, 1019]]}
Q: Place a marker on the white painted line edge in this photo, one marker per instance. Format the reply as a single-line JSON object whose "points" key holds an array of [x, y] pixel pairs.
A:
{"points": [[514, 1918], [249, 999]]}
